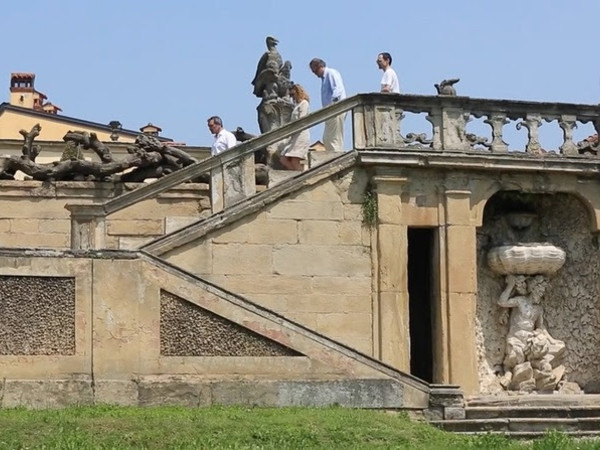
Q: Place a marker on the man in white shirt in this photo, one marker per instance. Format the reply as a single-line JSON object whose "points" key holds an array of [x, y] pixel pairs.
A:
{"points": [[389, 81], [224, 139]]}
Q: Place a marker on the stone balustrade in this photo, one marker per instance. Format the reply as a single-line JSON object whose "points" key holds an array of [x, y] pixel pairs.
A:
{"points": [[379, 123]]}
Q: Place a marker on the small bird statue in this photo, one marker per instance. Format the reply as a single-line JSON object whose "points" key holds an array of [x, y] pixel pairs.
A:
{"points": [[446, 87]]}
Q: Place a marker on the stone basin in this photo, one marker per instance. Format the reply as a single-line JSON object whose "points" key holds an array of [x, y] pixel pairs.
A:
{"points": [[526, 259]]}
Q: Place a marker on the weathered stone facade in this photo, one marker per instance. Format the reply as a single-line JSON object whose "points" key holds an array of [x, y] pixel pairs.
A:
{"points": [[297, 266]]}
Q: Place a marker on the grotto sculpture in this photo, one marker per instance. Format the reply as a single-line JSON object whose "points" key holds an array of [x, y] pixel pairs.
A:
{"points": [[532, 360]]}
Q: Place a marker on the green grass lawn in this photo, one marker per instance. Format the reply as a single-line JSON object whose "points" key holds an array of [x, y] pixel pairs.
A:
{"points": [[238, 427]]}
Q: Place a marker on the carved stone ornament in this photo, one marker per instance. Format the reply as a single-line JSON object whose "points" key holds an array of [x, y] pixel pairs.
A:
{"points": [[446, 87]]}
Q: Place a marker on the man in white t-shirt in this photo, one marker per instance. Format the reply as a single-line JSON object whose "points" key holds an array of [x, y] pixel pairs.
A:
{"points": [[389, 81], [224, 139]]}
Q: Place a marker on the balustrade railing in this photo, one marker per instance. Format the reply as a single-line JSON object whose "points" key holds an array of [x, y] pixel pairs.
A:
{"points": [[380, 120], [377, 123]]}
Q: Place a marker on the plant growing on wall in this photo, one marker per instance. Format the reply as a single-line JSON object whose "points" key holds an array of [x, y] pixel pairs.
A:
{"points": [[369, 206]]}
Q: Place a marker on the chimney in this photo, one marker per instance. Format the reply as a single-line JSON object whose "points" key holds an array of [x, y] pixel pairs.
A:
{"points": [[150, 129], [21, 89]]}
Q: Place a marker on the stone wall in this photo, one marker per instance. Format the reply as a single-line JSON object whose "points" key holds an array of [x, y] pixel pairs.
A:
{"points": [[307, 256], [124, 343], [34, 214], [572, 301]]}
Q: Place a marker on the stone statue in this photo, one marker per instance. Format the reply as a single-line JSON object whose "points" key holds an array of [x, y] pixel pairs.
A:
{"points": [[271, 83], [446, 87], [531, 360], [270, 60]]}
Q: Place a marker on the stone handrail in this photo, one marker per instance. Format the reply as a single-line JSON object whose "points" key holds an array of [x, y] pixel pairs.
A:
{"points": [[88, 221], [380, 121]]}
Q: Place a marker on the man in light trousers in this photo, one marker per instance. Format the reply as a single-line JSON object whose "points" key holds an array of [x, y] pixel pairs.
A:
{"points": [[332, 91]]}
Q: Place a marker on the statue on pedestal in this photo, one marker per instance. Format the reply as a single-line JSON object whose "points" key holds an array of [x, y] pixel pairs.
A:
{"points": [[533, 358], [271, 84]]}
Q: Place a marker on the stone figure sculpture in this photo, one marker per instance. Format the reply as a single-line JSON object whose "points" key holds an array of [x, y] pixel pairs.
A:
{"points": [[271, 83], [446, 87], [270, 60], [531, 357]]}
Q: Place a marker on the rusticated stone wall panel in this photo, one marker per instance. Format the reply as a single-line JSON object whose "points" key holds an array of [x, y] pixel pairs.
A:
{"points": [[189, 330], [37, 315], [572, 301]]}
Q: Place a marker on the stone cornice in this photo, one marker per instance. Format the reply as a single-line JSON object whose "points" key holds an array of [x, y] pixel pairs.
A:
{"points": [[480, 162]]}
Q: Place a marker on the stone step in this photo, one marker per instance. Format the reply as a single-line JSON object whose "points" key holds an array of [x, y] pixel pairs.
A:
{"points": [[530, 435], [519, 425], [277, 176], [501, 412], [316, 157], [537, 400]]}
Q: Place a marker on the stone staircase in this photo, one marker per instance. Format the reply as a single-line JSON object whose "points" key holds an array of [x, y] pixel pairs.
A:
{"points": [[528, 417], [314, 159]]}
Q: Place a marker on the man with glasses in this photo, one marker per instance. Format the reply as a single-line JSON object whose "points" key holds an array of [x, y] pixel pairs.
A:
{"points": [[389, 81]]}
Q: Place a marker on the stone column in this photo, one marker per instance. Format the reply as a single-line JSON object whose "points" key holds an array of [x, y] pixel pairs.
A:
{"points": [[392, 285], [461, 285]]}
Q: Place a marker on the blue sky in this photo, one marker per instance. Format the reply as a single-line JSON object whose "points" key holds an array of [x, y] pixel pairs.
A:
{"points": [[175, 63]]}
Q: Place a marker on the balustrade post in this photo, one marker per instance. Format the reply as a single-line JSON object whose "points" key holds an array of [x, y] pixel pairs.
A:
{"points": [[386, 126], [358, 128], [532, 122], [453, 129], [435, 118], [497, 121], [567, 123], [88, 227], [232, 182]]}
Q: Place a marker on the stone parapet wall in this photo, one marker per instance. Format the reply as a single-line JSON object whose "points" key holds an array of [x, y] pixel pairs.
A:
{"points": [[34, 214]]}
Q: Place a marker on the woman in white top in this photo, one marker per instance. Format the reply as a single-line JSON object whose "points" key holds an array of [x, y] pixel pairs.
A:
{"points": [[297, 148]]}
